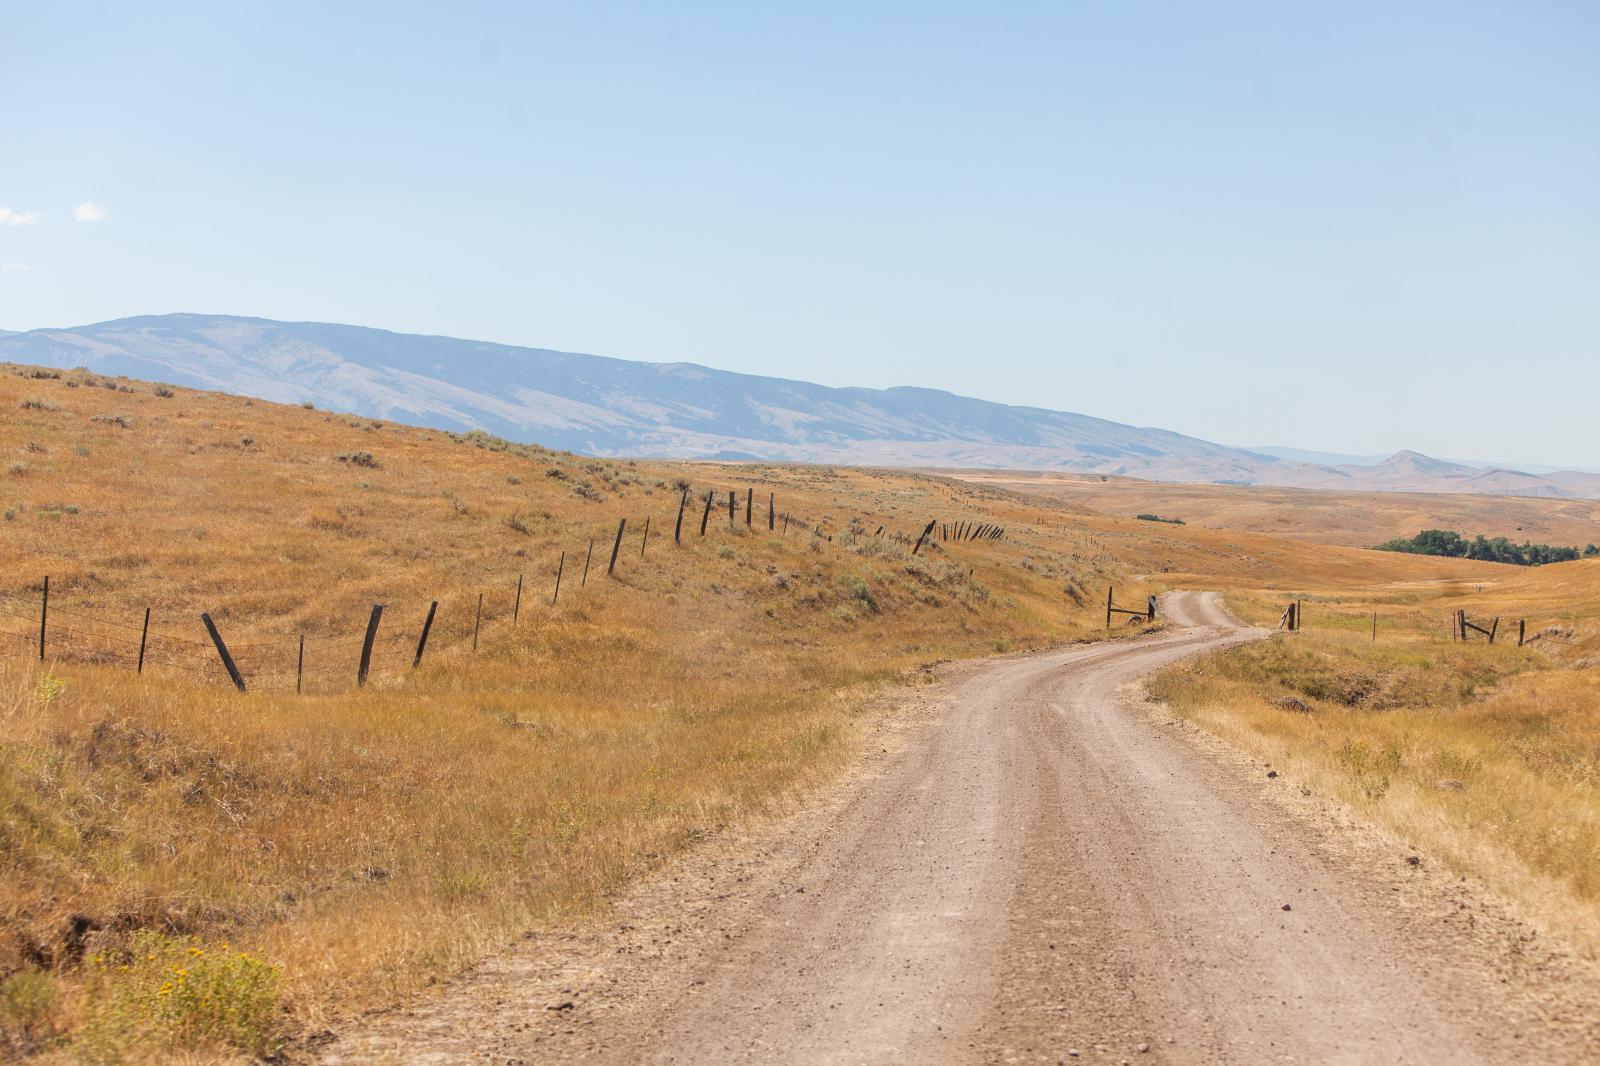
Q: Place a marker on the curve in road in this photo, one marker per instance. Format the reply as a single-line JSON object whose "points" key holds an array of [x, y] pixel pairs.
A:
{"points": [[1044, 874]]}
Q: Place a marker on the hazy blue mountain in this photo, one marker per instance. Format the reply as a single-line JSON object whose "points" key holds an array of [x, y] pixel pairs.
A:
{"points": [[604, 406], [1316, 458], [608, 406], [1302, 455]]}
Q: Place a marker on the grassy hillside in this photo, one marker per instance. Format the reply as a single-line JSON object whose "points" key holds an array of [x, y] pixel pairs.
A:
{"points": [[303, 856]]}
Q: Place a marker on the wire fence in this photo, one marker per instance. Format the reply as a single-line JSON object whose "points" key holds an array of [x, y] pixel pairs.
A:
{"points": [[335, 659]]}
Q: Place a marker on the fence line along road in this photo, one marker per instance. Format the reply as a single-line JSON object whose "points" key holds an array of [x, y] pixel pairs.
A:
{"points": [[338, 662]]}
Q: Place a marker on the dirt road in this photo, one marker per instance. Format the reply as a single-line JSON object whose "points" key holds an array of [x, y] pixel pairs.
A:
{"points": [[1040, 872]]}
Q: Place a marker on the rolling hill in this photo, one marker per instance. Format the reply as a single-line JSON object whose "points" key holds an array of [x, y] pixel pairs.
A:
{"points": [[614, 407]]}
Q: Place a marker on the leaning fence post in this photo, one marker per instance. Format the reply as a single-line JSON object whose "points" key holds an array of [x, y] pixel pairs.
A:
{"points": [[422, 641], [645, 542], [616, 547], [711, 495], [144, 636], [560, 565], [677, 530], [222, 651], [516, 608], [477, 622], [1494, 627], [922, 538], [44, 612], [786, 523], [584, 580], [366, 645]]}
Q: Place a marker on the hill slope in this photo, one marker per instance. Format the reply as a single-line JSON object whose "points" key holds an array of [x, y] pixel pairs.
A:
{"points": [[617, 407]]}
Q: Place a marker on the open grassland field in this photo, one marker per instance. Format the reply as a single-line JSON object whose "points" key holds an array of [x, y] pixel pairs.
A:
{"points": [[1488, 756], [1356, 519], [183, 866]]}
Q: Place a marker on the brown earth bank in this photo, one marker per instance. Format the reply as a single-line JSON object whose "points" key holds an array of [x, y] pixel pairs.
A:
{"points": [[1034, 865]]}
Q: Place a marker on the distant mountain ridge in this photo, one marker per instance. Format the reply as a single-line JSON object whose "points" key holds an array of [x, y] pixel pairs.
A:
{"points": [[608, 406]]}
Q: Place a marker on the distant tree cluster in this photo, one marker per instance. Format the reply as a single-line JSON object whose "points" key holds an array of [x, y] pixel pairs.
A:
{"points": [[1487, 549], [1158, 518]]}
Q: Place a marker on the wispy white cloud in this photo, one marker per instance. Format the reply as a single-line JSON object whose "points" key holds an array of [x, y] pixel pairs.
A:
{"points": [[9, 217], [89, 211], [14, 268]]}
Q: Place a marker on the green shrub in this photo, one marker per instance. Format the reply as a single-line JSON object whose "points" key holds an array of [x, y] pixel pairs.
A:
{"points": [[858, 591]]}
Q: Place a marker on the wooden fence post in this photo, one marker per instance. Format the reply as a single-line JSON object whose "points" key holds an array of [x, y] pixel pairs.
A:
{"points": [[646, 541], [44, 612], [612, 565], [427, 627], [560, 565], [1374, 627], [772, 511], [711, 494], [925, 534], [222, 651], [786, 523], [733, 500], [1522, 631], [366, 645], [584, 580], [144, 635], [1150, 609], [300, 665], [677, 530], [1111, 590], [477, 621], [516, 607], [749, 504], [1494, 627]]}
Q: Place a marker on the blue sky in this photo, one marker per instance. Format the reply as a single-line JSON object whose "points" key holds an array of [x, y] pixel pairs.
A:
{"points": [[1354, 227]]}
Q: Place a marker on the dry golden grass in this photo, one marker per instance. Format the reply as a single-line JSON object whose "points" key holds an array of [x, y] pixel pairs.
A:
{"points": [[1355, 519], [365, 842], [1488, 756]]}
